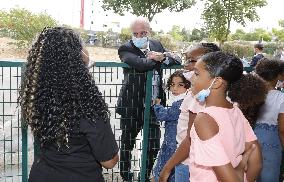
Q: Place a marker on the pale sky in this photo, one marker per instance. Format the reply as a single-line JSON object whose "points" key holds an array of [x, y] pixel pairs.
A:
{"points": [[68, 12]]}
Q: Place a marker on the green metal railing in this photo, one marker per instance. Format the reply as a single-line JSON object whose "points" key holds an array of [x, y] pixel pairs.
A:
{"points": [[16, 160]]}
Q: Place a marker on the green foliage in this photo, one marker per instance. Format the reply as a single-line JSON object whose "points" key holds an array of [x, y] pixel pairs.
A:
{"points": [[245, 49], [176, 33], [279, 34], [281, 23], [241, 50], [272, 48], [238, 35], [167, 41], [218, 15], [146, 8], [258, 34], [198, 34], [125, 35], [24, 25]]}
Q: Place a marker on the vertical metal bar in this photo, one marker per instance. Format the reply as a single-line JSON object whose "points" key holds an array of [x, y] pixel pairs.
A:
{"points": [[24, 128], [24, 151], [146, 125]]}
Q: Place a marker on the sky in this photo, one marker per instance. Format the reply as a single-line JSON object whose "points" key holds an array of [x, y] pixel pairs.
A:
{"points": [[68, 12]]}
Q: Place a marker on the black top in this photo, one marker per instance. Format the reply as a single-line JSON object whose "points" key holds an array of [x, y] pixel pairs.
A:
{"points": [[80, 160]]}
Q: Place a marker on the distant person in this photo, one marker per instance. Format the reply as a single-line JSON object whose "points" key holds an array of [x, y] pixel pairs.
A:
{"points": [[142, 54], [258, 55], [66, 111]]}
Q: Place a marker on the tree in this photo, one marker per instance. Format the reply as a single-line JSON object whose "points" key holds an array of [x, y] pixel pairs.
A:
{"points": [[258, 34], [238, 35], [198, 34], [186, 35], [219, 14], [23, 25], [281, 23], [146, 8], [176, 33]]}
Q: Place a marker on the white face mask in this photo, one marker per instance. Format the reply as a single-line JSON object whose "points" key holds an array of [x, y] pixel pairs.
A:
{"points": [[174, 98], [140, 43], [203, 94]]}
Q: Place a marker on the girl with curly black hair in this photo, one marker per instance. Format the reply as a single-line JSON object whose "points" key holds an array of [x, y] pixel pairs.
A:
{"points": [[65, 110], [270, 123]]}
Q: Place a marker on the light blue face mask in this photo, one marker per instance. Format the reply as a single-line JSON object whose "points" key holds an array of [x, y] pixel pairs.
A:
{"points": [[140, 43], [203, 94]]}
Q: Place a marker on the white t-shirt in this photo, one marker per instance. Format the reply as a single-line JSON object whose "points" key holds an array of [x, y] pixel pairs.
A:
{"points": [[189, 104], [274, 104], [282, 56]]}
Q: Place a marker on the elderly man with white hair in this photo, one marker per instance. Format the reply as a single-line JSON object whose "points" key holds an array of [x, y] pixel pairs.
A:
{"points": [[142, 54]]}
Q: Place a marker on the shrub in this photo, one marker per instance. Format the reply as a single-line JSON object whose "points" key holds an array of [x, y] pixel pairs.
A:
{"points": [[239, 49], [167, 41], [24, 25], [125, 35]]}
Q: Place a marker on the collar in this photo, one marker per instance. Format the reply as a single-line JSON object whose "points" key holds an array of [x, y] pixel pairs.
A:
{"points": [[148, 46]]}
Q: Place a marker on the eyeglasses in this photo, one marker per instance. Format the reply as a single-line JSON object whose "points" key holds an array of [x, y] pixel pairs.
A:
{"points": [[143, 34], [189, 61]]}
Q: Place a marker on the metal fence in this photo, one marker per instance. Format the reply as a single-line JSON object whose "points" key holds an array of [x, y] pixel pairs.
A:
{"points": [[16, 142]]}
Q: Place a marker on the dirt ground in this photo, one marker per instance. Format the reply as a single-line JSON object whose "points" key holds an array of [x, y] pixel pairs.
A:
{"points": [[11, 52]]}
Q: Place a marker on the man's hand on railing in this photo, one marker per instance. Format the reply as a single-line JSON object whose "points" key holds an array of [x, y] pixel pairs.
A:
{"points": [[157, 56]]}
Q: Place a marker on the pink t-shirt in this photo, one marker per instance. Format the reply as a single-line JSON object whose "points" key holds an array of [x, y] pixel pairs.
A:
{"points": [[223, 148], [189, 104]]}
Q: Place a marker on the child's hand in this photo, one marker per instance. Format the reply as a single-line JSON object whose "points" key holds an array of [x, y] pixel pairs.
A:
{"points": [[242, 167], [157, 101], [164, 175]]}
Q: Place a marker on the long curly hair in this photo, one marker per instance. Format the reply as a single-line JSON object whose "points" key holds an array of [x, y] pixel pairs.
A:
{"points": [[58, 90]]}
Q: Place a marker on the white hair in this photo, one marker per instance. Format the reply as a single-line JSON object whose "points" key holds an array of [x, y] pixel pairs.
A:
{"points": [[140, 20]]}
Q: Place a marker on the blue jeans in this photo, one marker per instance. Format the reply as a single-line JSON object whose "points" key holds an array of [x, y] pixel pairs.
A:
{"points": [[268, 138], [182, 173]]}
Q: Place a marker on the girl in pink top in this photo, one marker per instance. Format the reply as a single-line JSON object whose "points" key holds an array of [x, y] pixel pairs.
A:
{"points": [[221, 133]]}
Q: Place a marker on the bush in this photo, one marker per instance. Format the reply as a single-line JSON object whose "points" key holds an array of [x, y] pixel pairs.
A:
{"points": [[125, 35], [273, 47], [245, 49], [23, 25], [167, 41], [239, 49]]}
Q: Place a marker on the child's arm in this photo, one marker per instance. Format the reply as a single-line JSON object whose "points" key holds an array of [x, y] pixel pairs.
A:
{"points": [[207, 128], [180, 155], [170, 114], [281, 128], [254, 162]]}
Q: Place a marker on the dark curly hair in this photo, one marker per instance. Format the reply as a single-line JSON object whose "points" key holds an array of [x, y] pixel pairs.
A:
{"points": [[208, 47], [249, 91], [178, 73], [269, 69], [58, 90]]}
